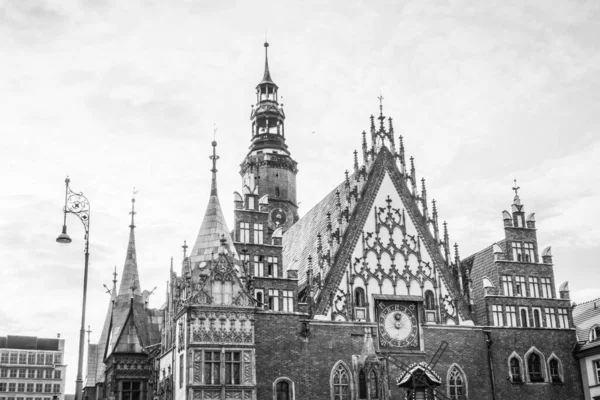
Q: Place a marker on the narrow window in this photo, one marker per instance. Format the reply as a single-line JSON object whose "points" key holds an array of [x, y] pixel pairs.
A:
{"points": [[272, 263], [537, 319], [259, 266], [181, 371], [362, 385], [550, 317], [497, 315], [244, 232], [259, 295], [212, 364], [251, 202], [594, 334], [528, 252], [534, 287], [31, 374], [31, 358], [14, 356], [4, 357], [22, 358], [2, 386], [511, 315], [597, 368], [554, 371], [524, 318], [359, 297], [232, 367], [429, 300], [563, 318], [517, 251], [515, 370], [340, 383], [546, 288], [217, 292], [520, 286], [258, 233], [274, 299], [507, 285], [373, 386], [227, 292], [534, 366], [277, 193], [288, 300]]}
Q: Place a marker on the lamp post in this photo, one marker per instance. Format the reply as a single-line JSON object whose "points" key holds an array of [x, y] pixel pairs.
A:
{"points": [[78, 204]]}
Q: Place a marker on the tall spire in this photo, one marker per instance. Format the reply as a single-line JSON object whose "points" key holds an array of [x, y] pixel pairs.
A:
{"points": [[267, 74], [213, 226], [103, 341], [130, 280]]}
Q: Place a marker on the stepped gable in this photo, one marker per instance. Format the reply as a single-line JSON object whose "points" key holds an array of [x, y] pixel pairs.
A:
{"points": [[338, 238]]}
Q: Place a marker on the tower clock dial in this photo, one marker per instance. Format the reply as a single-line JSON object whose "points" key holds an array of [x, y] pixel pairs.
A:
{"points": [[280, 216], [398, 326]]}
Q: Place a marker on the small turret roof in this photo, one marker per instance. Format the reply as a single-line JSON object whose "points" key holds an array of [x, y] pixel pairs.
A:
{"points": [[267, 74], [208, 241]]}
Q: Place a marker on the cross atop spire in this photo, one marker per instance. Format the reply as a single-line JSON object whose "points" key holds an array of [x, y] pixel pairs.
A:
{"points": [[516, 188], [380, 97], [214, 158]]}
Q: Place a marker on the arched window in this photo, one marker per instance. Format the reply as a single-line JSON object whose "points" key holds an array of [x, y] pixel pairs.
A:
{"points": [[359, 297], [515, 370], [340, 383], [373, 386], [362, 385], [283, 389], [534, 367], [555, 368], [457, 385], [537, 318], [524, 318], [429, 300]]}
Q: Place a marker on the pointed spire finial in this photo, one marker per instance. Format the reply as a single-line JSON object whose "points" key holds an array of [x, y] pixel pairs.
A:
{"points": [[115, 276], [267, 74], [89, 330], [381, 118], [184, 247], [214, 158], [132, 212]]}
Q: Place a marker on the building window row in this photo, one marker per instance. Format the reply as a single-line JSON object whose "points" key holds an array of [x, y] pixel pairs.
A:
{"points": [[531, 286], [530, 317], [523, 252], [30, 388], [25, 398], [251, 233], [221, 367], [30, 357], [277, 300], [534, 368], [30, 373]]}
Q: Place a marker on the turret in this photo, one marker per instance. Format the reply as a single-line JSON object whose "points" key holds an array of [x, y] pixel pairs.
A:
{"points": [[520, 232]]}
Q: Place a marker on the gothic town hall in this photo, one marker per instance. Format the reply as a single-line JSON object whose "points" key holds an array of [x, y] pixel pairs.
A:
{"points": [[363, 297]]}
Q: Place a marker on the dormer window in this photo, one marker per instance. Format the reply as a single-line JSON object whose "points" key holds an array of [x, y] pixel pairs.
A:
{"points": [[595, 333], [251, 205], [518, 220]]}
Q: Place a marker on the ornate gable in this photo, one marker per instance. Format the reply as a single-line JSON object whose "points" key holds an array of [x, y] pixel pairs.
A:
{"points": [[375, 231]]}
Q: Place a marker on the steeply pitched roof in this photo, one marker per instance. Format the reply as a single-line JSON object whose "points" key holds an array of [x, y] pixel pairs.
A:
{"points": [[92, 365], [585, 316], [213, 226], [130, 277]]}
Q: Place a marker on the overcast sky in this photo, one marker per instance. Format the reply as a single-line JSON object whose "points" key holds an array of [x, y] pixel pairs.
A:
{"points": [[118, 94]]}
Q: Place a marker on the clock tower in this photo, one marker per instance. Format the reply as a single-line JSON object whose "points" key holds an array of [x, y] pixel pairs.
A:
{"points": [[268, 167]]}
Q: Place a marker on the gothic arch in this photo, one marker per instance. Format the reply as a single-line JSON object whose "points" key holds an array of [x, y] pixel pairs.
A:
{"points": [[559, 376], [454, 372], [532, 352], [341, 385], [513, 376], [290, 383]]}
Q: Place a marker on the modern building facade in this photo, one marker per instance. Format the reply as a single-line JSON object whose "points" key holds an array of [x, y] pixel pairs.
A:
{"points": [[32, 368], [587, 321]]}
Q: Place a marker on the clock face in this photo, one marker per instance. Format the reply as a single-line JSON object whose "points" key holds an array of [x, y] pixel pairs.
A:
{"points": [[280, 216], [398, 325]]}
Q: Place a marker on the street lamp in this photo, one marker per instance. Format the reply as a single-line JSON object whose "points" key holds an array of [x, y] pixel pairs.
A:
{"points": [[78, 204]]}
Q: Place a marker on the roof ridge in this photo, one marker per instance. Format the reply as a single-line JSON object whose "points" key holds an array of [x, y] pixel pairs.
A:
{"points": [[587, 302]]}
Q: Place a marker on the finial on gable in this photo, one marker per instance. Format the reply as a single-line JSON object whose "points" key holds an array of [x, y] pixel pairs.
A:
{"points": [[214, 158], [132, 212], [516, 188], [184, 247]]}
